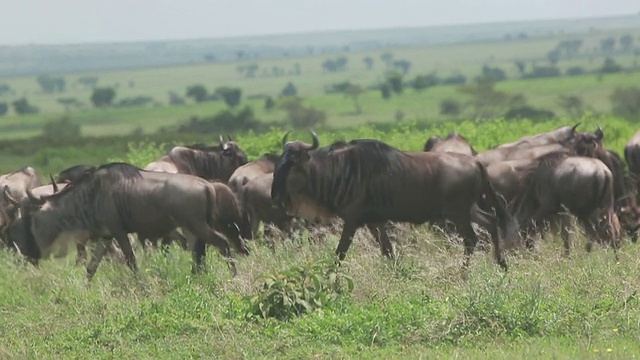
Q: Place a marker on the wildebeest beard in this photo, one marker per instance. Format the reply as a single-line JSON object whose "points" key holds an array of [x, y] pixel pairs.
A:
{"points": [[338, 175]]}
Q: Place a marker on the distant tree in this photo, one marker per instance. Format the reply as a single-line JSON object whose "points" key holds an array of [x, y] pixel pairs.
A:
{"points": [[387, 57], [610, 66], [572, 105], [491, 74], [51, 84], [543, 72], [197, 92], [175, 99], [570, 48], [394, 79], [103, 97], [521, 66], [334, 65], [625, 102], [368, 61], [575, 70], [608, 45], [4, 108], [301, 116], [289, 90], [354, 91], [626, 41], [422, 82], [458, 79], [403, 65], [5, 89], [135, 101], [269, 103], [22, 106], [61, 131], [450, 107], [69, 102], [88, 81], [385, 90], [528, 112], [231, 96], [486, 102], [553, 56]]}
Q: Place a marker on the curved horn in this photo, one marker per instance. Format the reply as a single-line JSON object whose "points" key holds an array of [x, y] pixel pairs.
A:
{"points": [[36, 200], [53, 183], [221, 140], [8, 196], [575, 126], [599, 133], [316, 142], [229, 137], [285, 137]]}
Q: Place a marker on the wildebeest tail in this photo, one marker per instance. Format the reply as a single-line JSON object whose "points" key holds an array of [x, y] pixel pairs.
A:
{"points": [[507, 224]]}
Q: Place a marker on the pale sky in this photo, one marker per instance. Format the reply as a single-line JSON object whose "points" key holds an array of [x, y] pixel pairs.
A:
{"points": [[77, 21]]}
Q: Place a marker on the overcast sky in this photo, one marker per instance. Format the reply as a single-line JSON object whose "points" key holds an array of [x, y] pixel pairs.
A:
{"points": [[75, 21]]}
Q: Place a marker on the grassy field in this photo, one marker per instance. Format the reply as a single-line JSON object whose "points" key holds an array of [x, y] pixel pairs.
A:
{"points": [[420, 305]]}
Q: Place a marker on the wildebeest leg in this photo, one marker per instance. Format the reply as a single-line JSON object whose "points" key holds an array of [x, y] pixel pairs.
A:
{"points": [[564, 221], [379, 231], [81, 252], [348, 230], [129, 256], [96, 257]]}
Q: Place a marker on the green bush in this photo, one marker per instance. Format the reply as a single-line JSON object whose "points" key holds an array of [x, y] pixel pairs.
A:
{"points": [[299, 290]]}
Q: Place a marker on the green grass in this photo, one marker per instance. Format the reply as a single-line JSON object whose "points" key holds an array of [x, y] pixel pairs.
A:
{"points": [[420, 305]]}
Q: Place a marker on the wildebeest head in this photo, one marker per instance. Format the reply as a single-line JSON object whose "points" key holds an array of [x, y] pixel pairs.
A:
{"points": [[431, 142], [294, 153], [589, 144], [74, 173]]}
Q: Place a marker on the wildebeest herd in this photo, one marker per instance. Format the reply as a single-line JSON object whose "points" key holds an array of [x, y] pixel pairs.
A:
{"points": [[215, 196]]}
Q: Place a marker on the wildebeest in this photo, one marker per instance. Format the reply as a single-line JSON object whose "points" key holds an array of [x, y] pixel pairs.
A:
{"points": [[454, 143], [74, 173], [118, 199], [369, 183], [15, 185], [581, 185], [560, 135], [207, 162]]}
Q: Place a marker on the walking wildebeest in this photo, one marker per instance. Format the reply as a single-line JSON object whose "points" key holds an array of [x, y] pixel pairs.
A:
{"points": [[118, 199], [454, 143], [369, 183], [207, 162], [582, 185], [560, 135]]}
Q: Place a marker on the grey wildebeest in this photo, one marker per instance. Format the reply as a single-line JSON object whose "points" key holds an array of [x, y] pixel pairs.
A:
{"points": [[207, 162], [118, 199], [632, 154], [369, 183], [454, 143], [15, 185], [581, 185]]}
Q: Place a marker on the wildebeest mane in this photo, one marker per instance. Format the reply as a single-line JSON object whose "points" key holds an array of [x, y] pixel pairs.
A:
{"points": [[337, 176], [205, 164]]}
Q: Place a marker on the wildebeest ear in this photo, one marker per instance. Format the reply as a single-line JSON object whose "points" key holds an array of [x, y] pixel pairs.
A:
{"points": [[599, 133]]}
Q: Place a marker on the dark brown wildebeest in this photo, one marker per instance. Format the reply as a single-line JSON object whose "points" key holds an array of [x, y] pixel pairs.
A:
{"points": [[454, 143], [207, 162], [560, 135], [118, 199], [632, 154], [369, 183], [581, 185], [74, 173]]}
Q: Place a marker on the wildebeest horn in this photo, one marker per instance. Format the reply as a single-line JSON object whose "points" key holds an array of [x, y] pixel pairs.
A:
{"points": [[8, 196], [285, 137], [575, 126], [316, 143], [53, 184], [599, 133], [229, 137], [36, 200], [221, 140]]}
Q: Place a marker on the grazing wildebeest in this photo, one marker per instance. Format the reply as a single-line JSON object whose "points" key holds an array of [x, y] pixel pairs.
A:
{"points": [[369, 183], [207, 162], [454, 143], [15, 185], [118, 199], [581, 185], [560, 135]]}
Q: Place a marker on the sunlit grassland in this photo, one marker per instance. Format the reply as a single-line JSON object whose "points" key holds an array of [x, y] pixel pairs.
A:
{"points": [[419, 305]]}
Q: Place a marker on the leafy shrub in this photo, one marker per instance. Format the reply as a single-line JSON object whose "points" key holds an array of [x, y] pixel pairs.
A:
{"points": [[299, 290], [3, 108], [197, 92], [458, 79], [224, 121], [528, 112], [543, 72], [300, 116], [575, 70], [61, 131], [102, 97], [425, 81], [175, 99], [610, 66], [625, 102], [231, 96], [450, 107], [22, 106], [289, 90], [135, 101]]}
